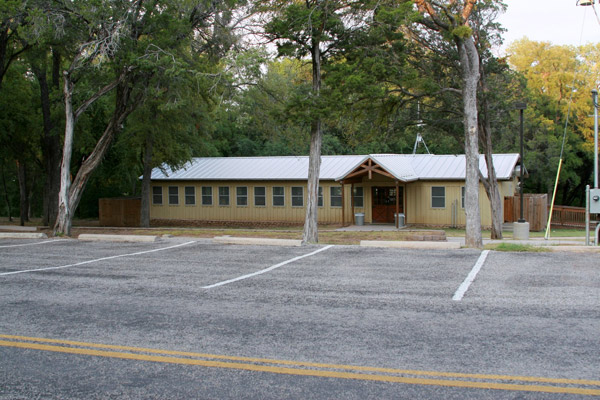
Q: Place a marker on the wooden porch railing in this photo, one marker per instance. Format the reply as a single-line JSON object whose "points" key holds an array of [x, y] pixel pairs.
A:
{"points": [[536, 212], [566, 216]]}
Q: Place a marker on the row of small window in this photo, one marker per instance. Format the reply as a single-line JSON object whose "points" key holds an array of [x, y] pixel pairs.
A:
{"points": [[278, 198]]}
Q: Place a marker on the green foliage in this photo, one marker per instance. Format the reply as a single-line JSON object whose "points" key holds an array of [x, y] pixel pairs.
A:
{"points": [[559, 80], [462, 31], [381, 87]]}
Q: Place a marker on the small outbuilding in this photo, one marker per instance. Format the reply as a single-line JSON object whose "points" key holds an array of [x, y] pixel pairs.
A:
{"points": [[423, 189]]}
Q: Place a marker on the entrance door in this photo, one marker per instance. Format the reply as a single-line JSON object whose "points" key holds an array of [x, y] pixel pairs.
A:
{"points": [[384, 203]]}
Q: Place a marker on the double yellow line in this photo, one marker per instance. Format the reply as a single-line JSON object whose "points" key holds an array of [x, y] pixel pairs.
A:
{"points": [[415, 377]]}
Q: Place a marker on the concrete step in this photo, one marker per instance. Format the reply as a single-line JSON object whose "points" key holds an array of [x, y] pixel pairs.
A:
{"points": [[507, 227]]}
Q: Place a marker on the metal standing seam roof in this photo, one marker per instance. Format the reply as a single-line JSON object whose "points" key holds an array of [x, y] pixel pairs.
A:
{"points": [[256, 168], [405, 167]]}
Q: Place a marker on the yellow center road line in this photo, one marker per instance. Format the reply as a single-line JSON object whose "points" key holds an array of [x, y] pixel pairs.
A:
{"points": [[246, 363], [309, 364]]}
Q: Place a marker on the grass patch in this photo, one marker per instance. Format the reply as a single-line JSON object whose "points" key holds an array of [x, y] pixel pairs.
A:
{"points": [[454, 232], [516, 247]]}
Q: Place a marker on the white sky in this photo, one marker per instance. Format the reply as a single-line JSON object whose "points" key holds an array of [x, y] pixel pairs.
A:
{"points": [[558, 21]]}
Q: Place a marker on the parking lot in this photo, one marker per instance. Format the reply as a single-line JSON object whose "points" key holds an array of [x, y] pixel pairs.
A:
{"points": [[187, 318]]}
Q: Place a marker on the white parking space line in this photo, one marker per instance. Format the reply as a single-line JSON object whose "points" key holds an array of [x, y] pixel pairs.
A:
{"points": [[96, 260], [471, 277], [271, 268], [34, 244]]}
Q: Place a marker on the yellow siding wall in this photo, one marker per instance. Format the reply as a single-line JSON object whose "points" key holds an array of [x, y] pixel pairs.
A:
{"points": [[417, 202], [248, 213], [420, 211]]}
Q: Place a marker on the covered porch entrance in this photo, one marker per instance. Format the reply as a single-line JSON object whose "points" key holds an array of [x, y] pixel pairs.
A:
{"points": [[384, 203], [385, 200]]}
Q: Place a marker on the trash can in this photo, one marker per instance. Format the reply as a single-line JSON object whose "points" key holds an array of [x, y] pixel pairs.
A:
{"points": [[400, 219], [359, 219]]}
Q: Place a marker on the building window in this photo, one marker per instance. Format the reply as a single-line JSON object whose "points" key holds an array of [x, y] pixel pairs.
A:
{"points": [[241, 195], [190, 195], [260, 196], [335, 196], [297, 196], [279, 196], [462, 196], [206, 195], [157, 195], [223, 195], [358, 197], [438, 197], [320, 198], [174, 195]]}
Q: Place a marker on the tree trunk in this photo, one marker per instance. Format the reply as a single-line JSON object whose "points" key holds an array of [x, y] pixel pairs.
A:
{"points": [[469, 63], [23, 192], [145, 207], [30, 193], [50, 147], [311, 231], [493, 193], [70, 194], [490, 183], [6, 196], [122, 109], [64, 217]]}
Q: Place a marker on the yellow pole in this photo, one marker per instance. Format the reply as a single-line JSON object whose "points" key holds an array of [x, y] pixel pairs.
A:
{"points": [[547, 236]]}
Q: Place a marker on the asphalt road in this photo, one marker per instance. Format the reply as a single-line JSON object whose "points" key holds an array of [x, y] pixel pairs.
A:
{"points": [[143, 321]]}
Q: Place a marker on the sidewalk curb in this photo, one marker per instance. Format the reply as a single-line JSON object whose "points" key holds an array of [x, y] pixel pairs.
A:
{"points": [[93, 237], [575, 249], [411, 245], [256, 241], [18, 228], [22, 235]]}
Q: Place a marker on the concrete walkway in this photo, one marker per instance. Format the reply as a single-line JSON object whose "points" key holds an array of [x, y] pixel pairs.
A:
{"points": [[370, 228], [558, 244]]}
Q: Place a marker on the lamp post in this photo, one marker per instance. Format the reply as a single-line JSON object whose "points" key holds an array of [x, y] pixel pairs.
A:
{"points": [[521, 227], [593, 195], [521, 107], [595, 100]]}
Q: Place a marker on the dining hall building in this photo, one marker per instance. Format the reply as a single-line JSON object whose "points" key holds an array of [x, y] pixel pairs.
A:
{"points": [[422, 189]]}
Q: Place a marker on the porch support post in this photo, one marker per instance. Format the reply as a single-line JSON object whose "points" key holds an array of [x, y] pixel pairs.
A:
{"points": [[404, 204], [396, 216], [352, 201], [343, 205]]}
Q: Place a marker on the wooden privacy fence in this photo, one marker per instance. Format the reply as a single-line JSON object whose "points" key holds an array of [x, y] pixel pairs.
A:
{"points": [[535, 210], [123, 211]]}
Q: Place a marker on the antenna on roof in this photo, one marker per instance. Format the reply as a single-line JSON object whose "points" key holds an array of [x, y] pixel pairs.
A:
{"points": [[420, 124]]}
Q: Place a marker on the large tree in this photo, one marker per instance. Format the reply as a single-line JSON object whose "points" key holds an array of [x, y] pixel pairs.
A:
{"points": [[451, 19], [313, 29], [119, 48], [488, 34]]}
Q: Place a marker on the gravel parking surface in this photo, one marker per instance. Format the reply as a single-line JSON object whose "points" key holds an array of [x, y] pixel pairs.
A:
{"points": [[528, 326]]}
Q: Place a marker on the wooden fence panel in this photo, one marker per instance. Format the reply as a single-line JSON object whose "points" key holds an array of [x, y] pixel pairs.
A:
{"points": [[535, 210], [120, 211]]}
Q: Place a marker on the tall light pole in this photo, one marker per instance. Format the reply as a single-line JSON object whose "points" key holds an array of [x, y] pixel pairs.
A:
{"points": [[595, 100], [593, 198], [521, 107]]}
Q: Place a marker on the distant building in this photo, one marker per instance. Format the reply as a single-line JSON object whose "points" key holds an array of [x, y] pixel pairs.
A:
{"points": [[427, 189]]}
